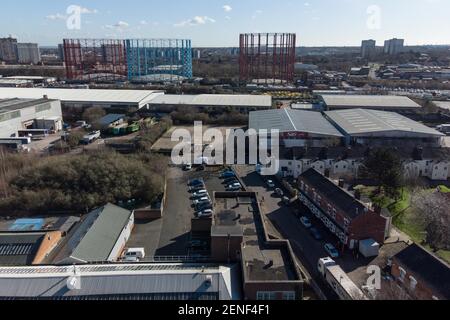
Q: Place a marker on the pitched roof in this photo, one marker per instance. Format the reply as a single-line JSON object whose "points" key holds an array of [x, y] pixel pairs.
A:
{"points": [[98, 233], [287, 120], [427, 267], [341, 198], [361, 121]]}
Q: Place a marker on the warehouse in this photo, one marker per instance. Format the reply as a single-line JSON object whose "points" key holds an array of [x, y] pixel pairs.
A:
{"points": [[21, 114], [86, 98], [101, 237], [122, 282], [210, 103], [398, 104], [372, 127], [298, 128]]}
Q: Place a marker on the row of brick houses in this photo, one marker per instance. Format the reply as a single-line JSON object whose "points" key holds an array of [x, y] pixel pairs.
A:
{"points": [[346, 217]]}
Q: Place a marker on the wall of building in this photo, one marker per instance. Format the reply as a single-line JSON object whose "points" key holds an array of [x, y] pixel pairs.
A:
{"points": [[50, 241], [278, 289], [421, 290], [10, 127], [122, 240], [222, 245]]}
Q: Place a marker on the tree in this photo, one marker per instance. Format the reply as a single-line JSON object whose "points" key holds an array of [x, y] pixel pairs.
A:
{"points": [[432, 210], [93, 114], [384, 167]]}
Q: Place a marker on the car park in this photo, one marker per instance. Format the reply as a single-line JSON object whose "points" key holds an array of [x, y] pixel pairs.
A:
{"points": [[306, 222], [279, 192], [203, 206], [331, 250], [270, 183], [232, 180], [315, 233], [234, 188]]}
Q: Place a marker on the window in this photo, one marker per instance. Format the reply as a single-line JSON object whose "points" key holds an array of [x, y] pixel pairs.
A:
{"points": [[412, 283], [402, 274], [265, 295], [289, 295]]}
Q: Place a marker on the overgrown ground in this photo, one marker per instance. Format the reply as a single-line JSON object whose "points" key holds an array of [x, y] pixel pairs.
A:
{"points": [[403, 216]]}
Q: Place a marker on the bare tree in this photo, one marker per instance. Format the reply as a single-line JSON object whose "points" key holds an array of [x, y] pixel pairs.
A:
{"points": [[432, 210]]}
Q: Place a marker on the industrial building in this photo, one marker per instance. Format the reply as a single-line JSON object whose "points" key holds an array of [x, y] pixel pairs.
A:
{"points": [[86, 98], [101, 236], [21, 114], [122, 282], [267, 58], [342, 213], [372, 127], [137, 60], [27, 248], [210, 102], [297, 128], [384, 103]]}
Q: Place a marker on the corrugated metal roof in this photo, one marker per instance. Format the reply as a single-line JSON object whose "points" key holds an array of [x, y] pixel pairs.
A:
{"points": [[369, 101], [18, 249], [442, 104], [362, 121], [98, 233], [287, 120], [190, 281], [110, 118], [215, 100], [81, 95]]}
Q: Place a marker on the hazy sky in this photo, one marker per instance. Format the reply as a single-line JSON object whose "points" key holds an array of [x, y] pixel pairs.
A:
{"points": [[219, 22]]}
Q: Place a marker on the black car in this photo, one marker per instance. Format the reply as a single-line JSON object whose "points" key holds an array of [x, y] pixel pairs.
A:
{"points": [[230, 181], [316, 234], [203, 206]]}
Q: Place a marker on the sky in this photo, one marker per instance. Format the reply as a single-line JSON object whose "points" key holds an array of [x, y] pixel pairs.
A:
{"points": [[218, 23]]}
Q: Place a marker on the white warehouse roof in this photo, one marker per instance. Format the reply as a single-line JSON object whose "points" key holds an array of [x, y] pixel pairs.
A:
{"points": [[287, 120], [215, 100], [369, 101], [140, 97], [363, 122]]}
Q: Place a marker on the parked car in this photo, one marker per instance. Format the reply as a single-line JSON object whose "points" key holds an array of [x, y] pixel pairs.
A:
{"points": [[205, 213], [316, 234], [134, 254], [202, 200], [331, 250], [279, 192], [228, 174], [201, 168], [196, 182], [270, 183], [200, 194], [187, 167], [286, 201], [230, 181], [234, 188], [203, 206], [306, 222]]}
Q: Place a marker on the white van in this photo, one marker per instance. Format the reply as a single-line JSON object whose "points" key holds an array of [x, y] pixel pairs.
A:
{"points": [[134, 254]]}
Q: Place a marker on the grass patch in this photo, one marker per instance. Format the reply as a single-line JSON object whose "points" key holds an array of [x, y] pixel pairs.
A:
{"points": [[403, 217]]}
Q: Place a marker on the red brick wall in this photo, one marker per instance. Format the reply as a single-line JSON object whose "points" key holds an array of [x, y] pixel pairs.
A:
{"points": [[422, 291], [368, 225]]}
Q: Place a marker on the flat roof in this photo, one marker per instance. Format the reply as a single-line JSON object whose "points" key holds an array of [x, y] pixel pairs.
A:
{"points": [[262, 262], [81, 95], [442, 104], [287, 120], [133, 281], [369, 101], [360, 122], [8, 105], [215, 100], [17, 249]]}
